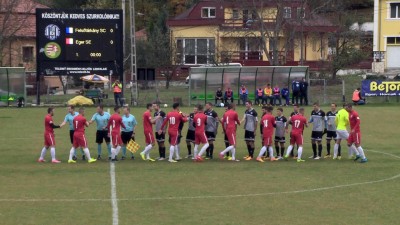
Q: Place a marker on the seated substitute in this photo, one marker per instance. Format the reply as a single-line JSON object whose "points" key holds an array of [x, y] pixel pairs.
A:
{"points": [[219, 96]]}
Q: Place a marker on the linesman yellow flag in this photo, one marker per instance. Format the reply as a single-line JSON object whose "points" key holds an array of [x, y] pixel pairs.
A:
{"points": [[132, 146]]}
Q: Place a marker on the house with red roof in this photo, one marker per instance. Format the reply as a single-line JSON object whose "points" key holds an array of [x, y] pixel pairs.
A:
{"points": [[253, 33], [18, 33]]}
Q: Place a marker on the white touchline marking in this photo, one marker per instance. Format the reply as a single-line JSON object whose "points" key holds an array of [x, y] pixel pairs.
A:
{"points": [[384, 153], [114, 199], [17, 138]]}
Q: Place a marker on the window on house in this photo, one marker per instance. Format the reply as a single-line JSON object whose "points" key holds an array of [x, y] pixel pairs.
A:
{"points": [[27, 53], [235, 14], [196, 51], [190, 51], [179, 51], [395, 10], [393, 40], [314, 44], [287, 12], [254, 15], [332, 42], [301, 13], [208, 12]]}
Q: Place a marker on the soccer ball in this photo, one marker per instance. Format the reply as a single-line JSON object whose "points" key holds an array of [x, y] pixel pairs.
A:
{"points": [[221, 105], [165, 105]]}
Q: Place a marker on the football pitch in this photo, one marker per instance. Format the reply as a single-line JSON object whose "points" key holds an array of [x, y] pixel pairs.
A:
{"points": [[212, 192]]}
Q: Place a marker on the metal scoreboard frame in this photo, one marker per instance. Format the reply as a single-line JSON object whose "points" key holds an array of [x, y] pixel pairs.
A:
{"points": [[78, 42]]}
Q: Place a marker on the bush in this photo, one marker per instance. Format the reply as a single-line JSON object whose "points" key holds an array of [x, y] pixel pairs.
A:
{"points": [[375, 77]]}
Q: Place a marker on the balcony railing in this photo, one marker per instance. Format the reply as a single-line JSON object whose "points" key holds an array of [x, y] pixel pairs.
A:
{"points": [[245, 24], [228, 56]]}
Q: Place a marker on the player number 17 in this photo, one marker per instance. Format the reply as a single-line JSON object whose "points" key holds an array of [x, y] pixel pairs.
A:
{"points": [[297, 123], [265, 123]]}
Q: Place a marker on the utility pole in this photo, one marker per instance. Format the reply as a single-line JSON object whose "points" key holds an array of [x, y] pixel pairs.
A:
{"points": [[302, 15], [123, 6], [134, 81]]}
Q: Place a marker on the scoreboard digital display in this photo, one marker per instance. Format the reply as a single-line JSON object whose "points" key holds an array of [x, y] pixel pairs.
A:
{"points": [[97, 42], [79, 42]]}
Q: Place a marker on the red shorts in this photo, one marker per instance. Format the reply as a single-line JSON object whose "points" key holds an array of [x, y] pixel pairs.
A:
{"points": [[296, 139], [116, 139], [200, 138], [49, 140], [79, 140], [173, 137], [231, 135], [149, 136], [354, 138], [267, 140]]}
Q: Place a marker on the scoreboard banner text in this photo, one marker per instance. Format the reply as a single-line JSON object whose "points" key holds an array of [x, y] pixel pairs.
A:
{"points": [[372, 88]]}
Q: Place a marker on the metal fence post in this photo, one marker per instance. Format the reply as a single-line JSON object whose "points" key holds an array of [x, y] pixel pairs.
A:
{"points": [[190, 88], [238, 86], [324, 91], [343, 91], [8, 88], [205, 88]]}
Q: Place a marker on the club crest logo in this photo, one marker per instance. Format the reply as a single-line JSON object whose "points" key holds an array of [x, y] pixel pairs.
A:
{"points": [[52, 32], [52, 50]]}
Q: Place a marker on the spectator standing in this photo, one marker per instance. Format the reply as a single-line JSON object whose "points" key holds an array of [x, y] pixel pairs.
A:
{"points": [[295, 91], [117, 89], [304, 92]]}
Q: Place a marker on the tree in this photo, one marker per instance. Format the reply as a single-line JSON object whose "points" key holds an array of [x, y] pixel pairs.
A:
{"points": [[62, 4], [100, 4], [157, 51], [350, 45]]}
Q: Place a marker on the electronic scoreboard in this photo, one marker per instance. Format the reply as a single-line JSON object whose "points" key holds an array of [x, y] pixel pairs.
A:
{"points": [[79, 42]]}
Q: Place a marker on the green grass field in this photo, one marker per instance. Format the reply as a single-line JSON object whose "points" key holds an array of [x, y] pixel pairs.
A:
{"points": [[213, 192]]}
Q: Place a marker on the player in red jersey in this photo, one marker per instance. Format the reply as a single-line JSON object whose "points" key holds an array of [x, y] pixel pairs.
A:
{"points": [[79, 139], [115, 124], [199, 122], [268, 124], [49, 141], [296, 136], [148, 132], [230, 120], [355, 134], [174, 118]]}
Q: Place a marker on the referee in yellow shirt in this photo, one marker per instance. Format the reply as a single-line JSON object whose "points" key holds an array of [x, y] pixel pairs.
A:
{"points": [[341, 121]]}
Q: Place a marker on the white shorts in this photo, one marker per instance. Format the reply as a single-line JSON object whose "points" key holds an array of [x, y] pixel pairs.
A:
{"points": [[342, 134]]}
